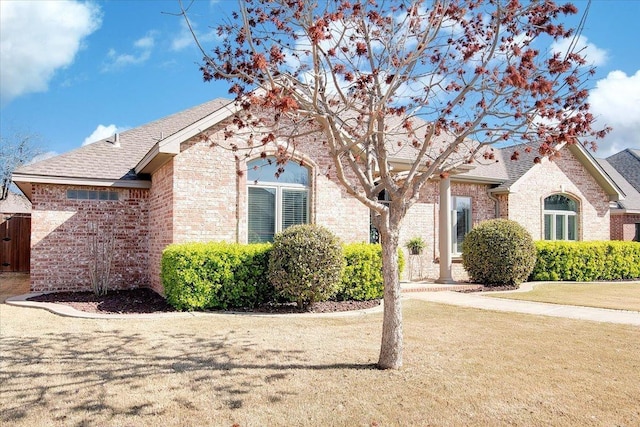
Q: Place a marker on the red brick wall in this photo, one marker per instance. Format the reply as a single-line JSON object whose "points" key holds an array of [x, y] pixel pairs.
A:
{"points": [[205, 195], [160, 220], [210, 198], [61, 233], [623, 227], [562, 176]]}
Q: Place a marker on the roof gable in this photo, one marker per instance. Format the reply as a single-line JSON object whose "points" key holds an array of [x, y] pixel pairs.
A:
{"points": [[110, 161]]}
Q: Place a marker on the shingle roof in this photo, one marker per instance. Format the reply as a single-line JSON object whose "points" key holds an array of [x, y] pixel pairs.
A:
{"points": [[503, 168], [627, 163], [15, 203], [104, 160], [624, 169]]}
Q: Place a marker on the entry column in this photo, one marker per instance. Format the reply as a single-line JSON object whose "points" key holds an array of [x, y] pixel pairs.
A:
{"points": [[444, 232]]}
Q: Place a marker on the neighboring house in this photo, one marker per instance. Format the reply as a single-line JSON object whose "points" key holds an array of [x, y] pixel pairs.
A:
{"points": [[170, 181], [15, 233], [624, 169]]}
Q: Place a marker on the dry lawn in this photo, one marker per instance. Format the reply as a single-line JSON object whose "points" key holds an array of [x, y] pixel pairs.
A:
{"points": [[617, 296], [462, 367]]}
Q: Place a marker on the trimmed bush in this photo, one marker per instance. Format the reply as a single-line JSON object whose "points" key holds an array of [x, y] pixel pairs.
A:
{"points": [[305, 264], [199, 276], [498, 252], [587, 261], [362, 276]]}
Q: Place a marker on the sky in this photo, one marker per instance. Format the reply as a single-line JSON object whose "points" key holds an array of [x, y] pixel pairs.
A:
{"points": [[73, 72]]}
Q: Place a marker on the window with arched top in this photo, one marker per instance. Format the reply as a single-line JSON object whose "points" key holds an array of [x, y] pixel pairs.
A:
{"points": [[560, 218], [277, 197]]}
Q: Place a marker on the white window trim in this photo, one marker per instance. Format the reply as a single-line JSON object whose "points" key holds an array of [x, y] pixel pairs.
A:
{"points": [[555, 214]]}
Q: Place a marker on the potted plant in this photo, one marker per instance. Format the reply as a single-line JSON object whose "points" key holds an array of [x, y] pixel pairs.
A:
{"points": [[415, 245]]}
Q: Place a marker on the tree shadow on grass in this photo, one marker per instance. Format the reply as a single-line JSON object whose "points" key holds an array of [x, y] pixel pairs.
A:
{"points": [[101, 375]]}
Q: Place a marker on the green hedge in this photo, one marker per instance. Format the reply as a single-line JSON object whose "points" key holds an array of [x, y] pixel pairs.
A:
{"points": [[200, 276], [362, 276], [586, 261]]}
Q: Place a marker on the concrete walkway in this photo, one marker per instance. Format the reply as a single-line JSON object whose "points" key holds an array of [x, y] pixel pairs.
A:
{"points": [[485, 302]]}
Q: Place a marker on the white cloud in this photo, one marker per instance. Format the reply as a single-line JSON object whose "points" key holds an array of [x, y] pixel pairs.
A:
{"points": [[592, 53], [143, 48], [101, 132], [615, 102], [183, 39], [146, 42], [39, 37]]}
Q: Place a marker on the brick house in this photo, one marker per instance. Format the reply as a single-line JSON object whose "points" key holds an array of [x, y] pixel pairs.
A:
{"points": [[164, 183], [624, 168]]}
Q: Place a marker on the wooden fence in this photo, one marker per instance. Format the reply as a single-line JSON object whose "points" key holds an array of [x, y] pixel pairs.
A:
{"points": [[15, 242]]}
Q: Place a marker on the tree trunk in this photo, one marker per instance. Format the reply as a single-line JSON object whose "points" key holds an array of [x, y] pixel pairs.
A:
{"points": [[391, 347]]}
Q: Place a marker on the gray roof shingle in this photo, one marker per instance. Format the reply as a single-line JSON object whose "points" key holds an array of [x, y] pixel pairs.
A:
{"points": [[627, 163], [104, 160], [503, 168], [624, 169]]}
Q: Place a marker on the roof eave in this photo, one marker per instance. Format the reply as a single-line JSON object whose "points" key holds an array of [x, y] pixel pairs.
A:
{"points": [[598, 173], [477, 179], [624, 211], [169, 147], [403, 164], [24, 181]]}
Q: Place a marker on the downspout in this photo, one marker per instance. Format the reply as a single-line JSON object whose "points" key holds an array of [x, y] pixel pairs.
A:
{"points": [[496, 203]]}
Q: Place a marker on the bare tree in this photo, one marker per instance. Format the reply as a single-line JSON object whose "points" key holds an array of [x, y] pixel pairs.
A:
{"points": [[16, 150], [101, 251], [434, 83]]}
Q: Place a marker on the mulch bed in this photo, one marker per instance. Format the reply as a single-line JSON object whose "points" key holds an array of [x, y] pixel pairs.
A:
{"points": [[136, 301]]}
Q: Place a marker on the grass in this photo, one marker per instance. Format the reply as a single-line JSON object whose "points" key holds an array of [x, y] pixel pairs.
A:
{"points": [[617, 296], [462, 367]]}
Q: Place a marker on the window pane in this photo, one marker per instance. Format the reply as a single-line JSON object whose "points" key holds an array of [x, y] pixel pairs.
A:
{"points": [[558, 202], [560, 223], [462, 221], [262, 214], [294, 208], [265, 170], [572, 231], [547, 227]]}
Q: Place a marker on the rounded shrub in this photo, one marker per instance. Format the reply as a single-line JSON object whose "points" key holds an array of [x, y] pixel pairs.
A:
{"points": [[305, 264], [498, 252]]}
